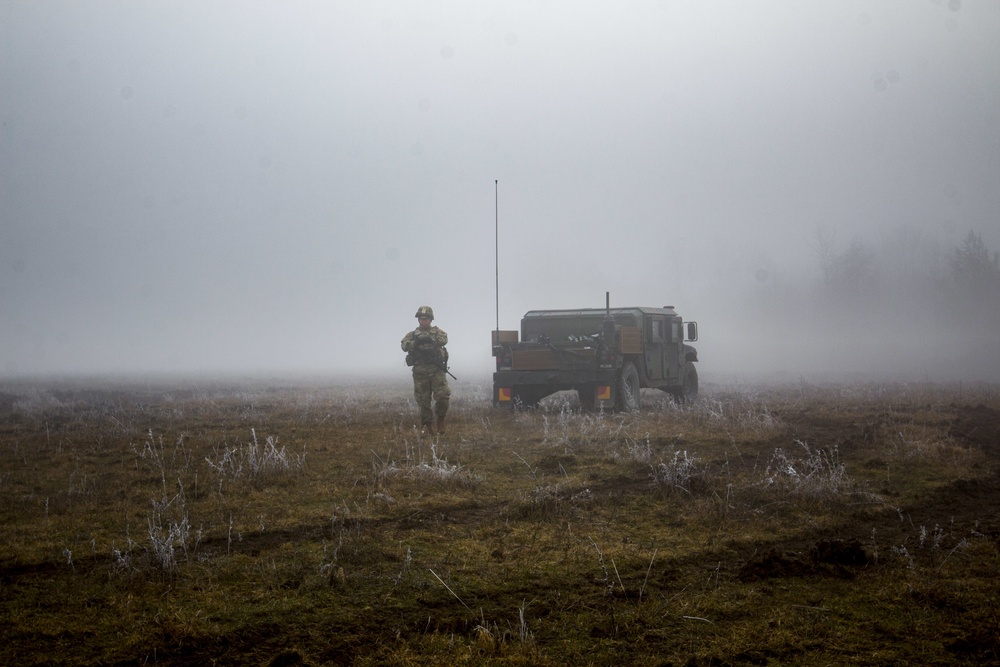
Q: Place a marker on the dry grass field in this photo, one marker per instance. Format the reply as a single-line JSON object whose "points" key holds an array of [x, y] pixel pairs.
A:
{"points": [[310, 523]]}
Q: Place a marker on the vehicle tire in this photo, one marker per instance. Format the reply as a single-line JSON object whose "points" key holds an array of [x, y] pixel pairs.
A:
{"points": [[627, 398], [587, 398], [526, 397], [689, 389]]}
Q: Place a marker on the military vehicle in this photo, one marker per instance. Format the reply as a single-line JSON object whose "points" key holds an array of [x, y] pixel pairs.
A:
{"points": [[607, 355]]}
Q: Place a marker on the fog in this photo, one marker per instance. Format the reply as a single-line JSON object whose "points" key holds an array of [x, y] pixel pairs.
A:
{"points": [[265, 187]]}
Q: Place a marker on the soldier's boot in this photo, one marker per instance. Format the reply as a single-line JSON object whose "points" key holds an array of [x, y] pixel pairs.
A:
{"points": [[429, 427], [440, 424]]}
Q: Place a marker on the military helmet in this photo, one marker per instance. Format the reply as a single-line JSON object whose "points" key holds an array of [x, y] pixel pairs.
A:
{"points": [[425, 311]]}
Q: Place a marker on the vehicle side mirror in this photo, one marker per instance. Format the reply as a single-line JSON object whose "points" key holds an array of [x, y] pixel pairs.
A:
{"points": [[692, 331]]}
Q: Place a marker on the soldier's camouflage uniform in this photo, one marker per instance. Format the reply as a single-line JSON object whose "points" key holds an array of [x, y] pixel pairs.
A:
{"points": [[425, 351]]}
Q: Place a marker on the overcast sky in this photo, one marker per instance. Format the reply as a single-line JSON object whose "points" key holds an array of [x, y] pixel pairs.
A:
{"points": [[277, 186]]}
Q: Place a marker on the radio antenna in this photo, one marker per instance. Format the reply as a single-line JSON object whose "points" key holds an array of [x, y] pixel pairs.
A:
{"points": [[496, 243]]}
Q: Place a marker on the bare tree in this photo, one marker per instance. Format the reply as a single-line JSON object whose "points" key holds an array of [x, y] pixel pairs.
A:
{"points": [[824, 249], [850, 279], [975, 273]]}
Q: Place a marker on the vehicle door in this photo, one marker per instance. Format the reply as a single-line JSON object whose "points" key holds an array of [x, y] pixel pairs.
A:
{"points": [[673, 349], [655, 343]]}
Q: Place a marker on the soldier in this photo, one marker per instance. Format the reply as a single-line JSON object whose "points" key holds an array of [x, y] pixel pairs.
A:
{"points": [[426, 353]]}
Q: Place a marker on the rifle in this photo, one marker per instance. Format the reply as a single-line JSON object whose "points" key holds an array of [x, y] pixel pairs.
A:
{"points": [[422, 354], [442, 366]]}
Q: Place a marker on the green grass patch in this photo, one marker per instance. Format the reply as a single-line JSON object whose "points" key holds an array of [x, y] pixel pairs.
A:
{"points": [[314, 524]]}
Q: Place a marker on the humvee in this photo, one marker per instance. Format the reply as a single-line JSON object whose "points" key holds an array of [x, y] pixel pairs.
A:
{"points": [[607, 355]]}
